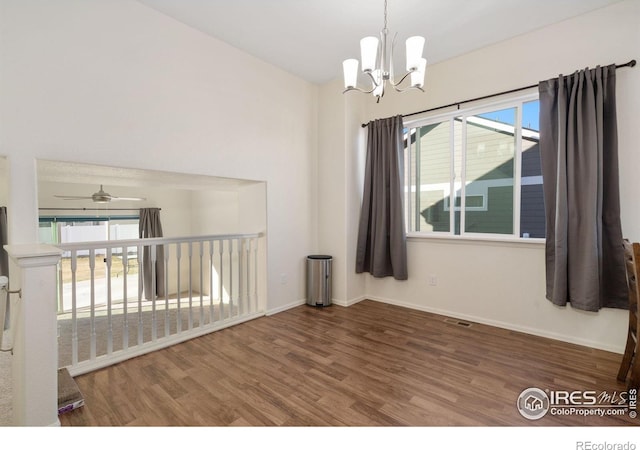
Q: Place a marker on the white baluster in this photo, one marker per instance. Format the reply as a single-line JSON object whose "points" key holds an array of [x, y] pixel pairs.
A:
{"points": [[167, 318], [221, 279], [211, 317], [247, 293], [153, 294], [240, 276], [245, 288], [230, 278], [92, 270], [125, 299], [201, 249], [140, 288], [247, 280], [74, 309], [109, 304], [190, 286], [178, 289], [256, 242]]}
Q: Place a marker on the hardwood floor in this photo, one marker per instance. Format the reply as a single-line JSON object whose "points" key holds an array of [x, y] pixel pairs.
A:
{"points": [[371, 364]]}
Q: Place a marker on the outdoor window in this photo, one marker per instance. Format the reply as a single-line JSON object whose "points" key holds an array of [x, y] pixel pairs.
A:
{"points": [[64, 229], [58, 230], [486, 163]]}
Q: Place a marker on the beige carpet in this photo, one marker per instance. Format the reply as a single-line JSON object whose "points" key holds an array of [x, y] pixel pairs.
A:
{"points": [[69, 395], [6, 398], [137, 324]]}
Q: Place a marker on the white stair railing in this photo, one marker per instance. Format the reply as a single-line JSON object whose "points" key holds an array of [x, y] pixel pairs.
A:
{"points": [[105, 316]]}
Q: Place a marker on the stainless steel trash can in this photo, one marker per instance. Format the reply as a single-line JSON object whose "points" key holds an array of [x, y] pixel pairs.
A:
{"points": [[319, 280]]}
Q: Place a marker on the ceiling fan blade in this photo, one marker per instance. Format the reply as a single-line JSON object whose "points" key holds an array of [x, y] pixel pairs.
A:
{"points": [[72, 197], [100, 197], [132, 199]]}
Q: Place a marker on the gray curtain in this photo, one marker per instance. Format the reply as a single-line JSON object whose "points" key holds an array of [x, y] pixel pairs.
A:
{"points": [[382, 246], [150, 227], [4, 264], [579, 154]]}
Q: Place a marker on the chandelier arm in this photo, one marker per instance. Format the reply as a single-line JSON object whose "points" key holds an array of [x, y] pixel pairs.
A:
{"points": [[401, 79], [364, 91], [397, 89], [373, 80]]}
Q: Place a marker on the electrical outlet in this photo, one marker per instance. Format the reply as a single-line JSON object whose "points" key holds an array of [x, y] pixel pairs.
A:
{"points": [[283, 278], [433, 280]]}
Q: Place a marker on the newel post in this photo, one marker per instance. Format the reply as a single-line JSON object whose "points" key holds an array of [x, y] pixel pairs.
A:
{"points": [[35, 346]]}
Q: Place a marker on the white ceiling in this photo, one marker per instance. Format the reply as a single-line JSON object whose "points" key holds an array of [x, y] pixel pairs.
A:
{"points": [[94, 175], [311, 38]]}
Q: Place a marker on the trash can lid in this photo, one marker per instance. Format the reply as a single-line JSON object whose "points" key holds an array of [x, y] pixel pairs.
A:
{"points": [[319, 257]]}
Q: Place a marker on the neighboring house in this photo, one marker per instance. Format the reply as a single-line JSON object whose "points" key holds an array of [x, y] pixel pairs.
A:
{"points": [[489, 196]]}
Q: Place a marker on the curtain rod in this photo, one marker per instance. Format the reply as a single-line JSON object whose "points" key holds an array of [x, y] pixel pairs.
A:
{"points": [[631, 63], [91, 209]]}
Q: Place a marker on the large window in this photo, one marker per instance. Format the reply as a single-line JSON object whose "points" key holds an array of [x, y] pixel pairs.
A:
{"points": [[476, 172], [64, 229]]}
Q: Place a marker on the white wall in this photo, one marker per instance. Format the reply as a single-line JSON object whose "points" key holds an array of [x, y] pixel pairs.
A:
{"points": [[214, 212], [252, 213], [499, 283], [332, 186], [116, 83], [341, 155], [237, 210]]}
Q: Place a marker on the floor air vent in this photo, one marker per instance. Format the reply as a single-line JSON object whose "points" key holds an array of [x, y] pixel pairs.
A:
{"points": [[461, 323]]}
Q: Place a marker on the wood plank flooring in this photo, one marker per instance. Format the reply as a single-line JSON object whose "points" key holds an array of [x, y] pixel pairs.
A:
{"points": [[371, 364]]}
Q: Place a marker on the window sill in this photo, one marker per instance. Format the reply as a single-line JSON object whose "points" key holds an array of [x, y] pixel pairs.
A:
{"points": [[476, 239]]}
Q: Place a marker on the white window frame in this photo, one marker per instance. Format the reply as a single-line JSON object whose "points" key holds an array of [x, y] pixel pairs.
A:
{"points": [[483, 207], [516, 102]]}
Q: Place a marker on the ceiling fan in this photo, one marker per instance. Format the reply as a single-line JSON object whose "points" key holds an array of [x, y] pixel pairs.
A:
{"points": [[100, 197]]}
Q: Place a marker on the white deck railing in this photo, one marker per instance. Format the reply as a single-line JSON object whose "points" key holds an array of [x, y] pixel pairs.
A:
{"points": [[104, 315]]}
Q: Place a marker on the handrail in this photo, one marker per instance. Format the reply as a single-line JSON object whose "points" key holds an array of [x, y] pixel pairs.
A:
{"points": [[153, 241], [109, 320]]}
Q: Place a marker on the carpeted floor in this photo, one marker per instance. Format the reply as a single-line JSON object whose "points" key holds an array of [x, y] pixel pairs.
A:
{"points": [[6, 398], [165, 324]]}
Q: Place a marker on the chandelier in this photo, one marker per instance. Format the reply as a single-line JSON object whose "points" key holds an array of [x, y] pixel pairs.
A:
{"points": [[377, 64]]}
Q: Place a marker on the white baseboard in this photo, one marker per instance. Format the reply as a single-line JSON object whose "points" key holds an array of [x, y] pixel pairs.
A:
{"points": [[468, 317], [504, 325], [349, 302], [280, 309], [295, 304]]}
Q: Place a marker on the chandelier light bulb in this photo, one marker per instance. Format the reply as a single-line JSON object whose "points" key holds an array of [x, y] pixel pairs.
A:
{"points": [[417, 76], [350, 69], [415, 45], [369, 53]]}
